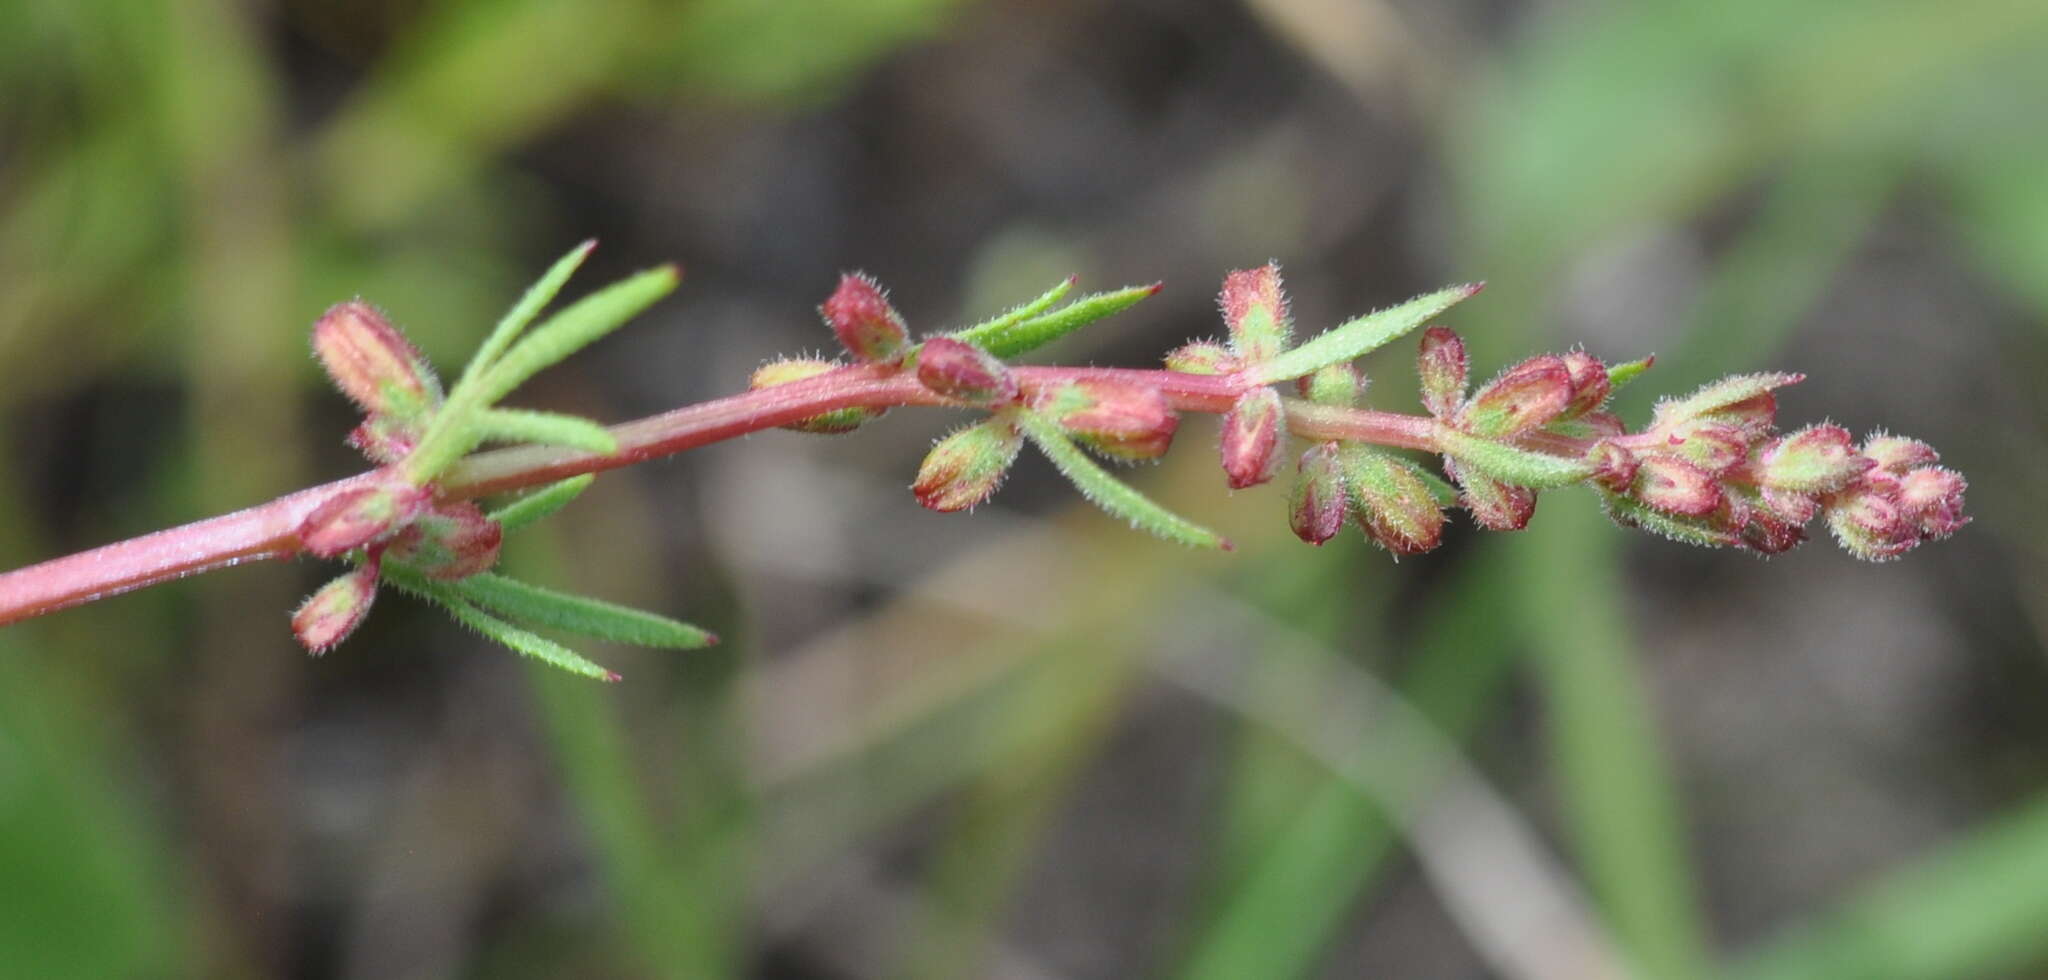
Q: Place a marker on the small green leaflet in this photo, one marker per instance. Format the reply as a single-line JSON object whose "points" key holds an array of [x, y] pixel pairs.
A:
{"points": [[1109, 493], [1006, 336], [1511, 464], [1354, 338], [541, 503]]}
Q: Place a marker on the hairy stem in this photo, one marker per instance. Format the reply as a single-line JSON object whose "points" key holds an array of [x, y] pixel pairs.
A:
{"points": [[270, 530]]}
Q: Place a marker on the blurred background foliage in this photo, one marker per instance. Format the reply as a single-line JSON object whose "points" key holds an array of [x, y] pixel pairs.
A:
{"points": [[1026, 743]]}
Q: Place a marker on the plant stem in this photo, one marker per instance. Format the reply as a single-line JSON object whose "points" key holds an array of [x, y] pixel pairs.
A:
{"points": [[271, 530]]}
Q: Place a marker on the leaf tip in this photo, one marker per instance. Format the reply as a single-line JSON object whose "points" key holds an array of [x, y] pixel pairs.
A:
{"points": [[611, 677]]}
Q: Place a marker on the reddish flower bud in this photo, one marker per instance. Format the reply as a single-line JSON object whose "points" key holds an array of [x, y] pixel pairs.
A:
{"points": [[384, 438], [1316, 507], [867, 326], [1493, 505], [1899, 454], [1443, 367], [449, 541], [1613, 466], [1251, 438], [1332, 384], [1868, 520], [1793, 506], [1524, 397], [1816, 459], [329, 615], [829, 423], [1771, 534], [1932, 498], [1202, 357], [1590, 386], [1676, 487], [373, 364], [361, 516], [1123, 421], [1391, 502], [965, 468], [960, 370], [1255, 310], [1712, 446]]}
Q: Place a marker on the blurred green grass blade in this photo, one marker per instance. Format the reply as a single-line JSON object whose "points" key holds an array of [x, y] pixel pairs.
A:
{"points": [[1108, 492], [1005, 338], [1361, 335], [1620, 800], [1972, 909], [536, 297], [541, 503], [574, 328], [537, 606], [517, 425]]}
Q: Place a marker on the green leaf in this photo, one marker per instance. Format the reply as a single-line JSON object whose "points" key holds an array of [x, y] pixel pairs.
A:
{"points": [[1511, 464], [537, 606], [1440, 488], [1356, 337], [1034, 332], [546, 428], [542, 502], [1717, 395], [1619, 375], [1109, 493], [529, 306], [520, 640], [999, 324], [1632, 513], [574, 328]]}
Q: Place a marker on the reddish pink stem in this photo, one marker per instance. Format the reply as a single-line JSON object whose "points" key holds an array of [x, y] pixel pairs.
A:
{"points": [[271, 530]]}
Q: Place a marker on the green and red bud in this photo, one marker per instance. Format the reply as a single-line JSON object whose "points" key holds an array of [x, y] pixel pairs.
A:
{"points": [[1931, 497], [1524, 397], [1443, 367], [385, 438], [449, 541], [965, 468], [1613, 466], [1391, 502], [1816, 459], [1116, 419], [964, 372], [329, 615], [835, 422], [1675, 486], [374, 365], [1255, 310], [1898, 454], [1493, 505], [1715, 447], [1742, 400], [1251, 437], [362, 516], [1590, 385], [1315, 509], [1768, 532], [1868, 520], [1203, 357], [1338, 385], [867, 326]]}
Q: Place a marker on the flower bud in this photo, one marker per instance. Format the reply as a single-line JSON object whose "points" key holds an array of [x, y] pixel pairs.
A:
{"points": [[867, 326], [1251, 438], [1712, 446], [1443, 367], [965, 468], [1816, 459], [1868, 520], [1613, 466], [329, 615], [1119, 420], [1392, 503], [962, 371], [828, 423], [1590, 386], [1898, 454], [1675, 486], [1255, 310], [384, 438], [1338, 384], [361, 516], [1770, 533], [1791, 505], [449, 541], [1493, 505], [1202, 357], [1932, 498], [1524, 397], [373, 364], [1316, 507]]}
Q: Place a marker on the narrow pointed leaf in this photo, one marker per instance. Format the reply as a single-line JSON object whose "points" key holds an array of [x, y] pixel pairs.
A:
{"points": [[1037, 331], [997, 325], [1619, 375], [574, 328], [537, 606], [519, 640], [1359, 336], [542, 502], [1109, 493], [1511, 464], [1716, 396], [1632, 513], [545, 428], [538, 295]]}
